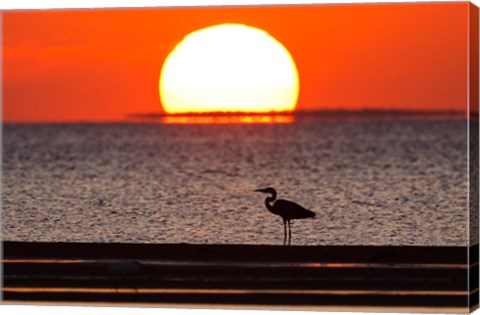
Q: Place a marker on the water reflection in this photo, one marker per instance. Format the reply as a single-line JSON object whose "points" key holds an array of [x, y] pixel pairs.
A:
{"points": [[228, 119]]}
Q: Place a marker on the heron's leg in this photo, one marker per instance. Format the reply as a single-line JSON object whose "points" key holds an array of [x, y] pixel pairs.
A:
{"points": [[284, 232], [289, 233]]}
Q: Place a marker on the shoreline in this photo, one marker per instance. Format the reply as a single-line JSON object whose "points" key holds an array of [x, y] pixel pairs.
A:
{"points": [[321, 277], [336, 253]]}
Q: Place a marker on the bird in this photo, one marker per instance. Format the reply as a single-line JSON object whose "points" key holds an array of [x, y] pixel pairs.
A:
{"points": [[288, 210]]}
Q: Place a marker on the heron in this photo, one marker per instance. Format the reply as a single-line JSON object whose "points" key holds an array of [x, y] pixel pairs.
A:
{"points": [[288, 210]]}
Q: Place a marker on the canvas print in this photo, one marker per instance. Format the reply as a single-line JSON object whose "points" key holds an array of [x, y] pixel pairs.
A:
{"points": [[318, 157]]}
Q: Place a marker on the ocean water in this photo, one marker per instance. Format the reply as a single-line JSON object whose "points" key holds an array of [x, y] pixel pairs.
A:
{"points": [[380, 182]]}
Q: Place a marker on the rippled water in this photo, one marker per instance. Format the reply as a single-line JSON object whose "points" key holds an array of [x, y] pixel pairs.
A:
{"points": [[383, 182]]}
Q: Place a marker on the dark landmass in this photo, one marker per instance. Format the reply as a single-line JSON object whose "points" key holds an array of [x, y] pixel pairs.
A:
{"points": [[391, 114]]}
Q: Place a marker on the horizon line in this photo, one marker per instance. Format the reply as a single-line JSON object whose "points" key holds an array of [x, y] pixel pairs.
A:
{"points": [[338, 112], [368, 113]]}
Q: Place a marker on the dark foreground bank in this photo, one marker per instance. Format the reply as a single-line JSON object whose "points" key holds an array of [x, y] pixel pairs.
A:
{"points": [[324, 277]]}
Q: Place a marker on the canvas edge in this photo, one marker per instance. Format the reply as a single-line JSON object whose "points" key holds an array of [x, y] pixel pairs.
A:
{"points": [[1, 149], [473, 153]]}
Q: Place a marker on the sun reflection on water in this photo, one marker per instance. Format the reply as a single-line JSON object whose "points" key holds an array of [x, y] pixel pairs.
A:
{"points": [[228, 119]]}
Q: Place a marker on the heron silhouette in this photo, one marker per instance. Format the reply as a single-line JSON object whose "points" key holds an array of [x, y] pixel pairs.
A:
{"points": [[288, 210]]}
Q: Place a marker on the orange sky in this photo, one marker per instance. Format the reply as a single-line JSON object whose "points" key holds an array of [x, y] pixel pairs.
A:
{"points": [[95, 65]]}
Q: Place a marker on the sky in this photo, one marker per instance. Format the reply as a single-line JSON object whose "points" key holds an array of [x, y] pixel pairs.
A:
{"points": [[101, 65]]}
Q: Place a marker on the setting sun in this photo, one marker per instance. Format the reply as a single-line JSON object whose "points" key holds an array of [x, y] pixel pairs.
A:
{"points": [[229, 68]]}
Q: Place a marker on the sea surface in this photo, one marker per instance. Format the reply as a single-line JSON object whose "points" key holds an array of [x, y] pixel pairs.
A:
{"points": [[371, 182]]}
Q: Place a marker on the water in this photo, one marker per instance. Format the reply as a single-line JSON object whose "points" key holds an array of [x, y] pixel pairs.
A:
{"points": [[370, 182]]}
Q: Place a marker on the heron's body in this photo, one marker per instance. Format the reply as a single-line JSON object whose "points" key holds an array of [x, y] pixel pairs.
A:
{"points": [[288, 210]]}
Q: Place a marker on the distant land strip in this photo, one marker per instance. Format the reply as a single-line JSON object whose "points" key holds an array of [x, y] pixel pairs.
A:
{"points": [[301, 113]]}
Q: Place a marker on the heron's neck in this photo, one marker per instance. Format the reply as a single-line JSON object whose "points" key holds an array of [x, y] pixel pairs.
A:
{"points": [[268, 200]]}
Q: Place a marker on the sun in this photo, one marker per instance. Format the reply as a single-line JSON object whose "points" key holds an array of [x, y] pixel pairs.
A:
{"points": [[228, 68]]}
